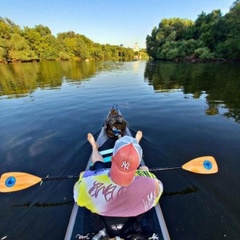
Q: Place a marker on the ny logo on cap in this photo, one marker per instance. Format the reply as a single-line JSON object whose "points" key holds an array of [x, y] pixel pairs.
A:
{"points": [[125, 165]]}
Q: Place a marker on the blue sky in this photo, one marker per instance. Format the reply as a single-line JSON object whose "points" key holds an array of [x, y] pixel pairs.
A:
{"points": [[106, 21]]}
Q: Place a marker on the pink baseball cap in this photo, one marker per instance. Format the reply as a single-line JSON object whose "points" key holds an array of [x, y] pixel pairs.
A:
{"points": [[126, 158]]}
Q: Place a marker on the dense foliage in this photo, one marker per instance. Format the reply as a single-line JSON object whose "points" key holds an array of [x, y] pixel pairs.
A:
{"points": [[211, 36], [35, 44]]}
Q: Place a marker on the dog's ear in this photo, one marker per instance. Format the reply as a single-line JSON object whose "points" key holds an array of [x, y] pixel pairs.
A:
{"points": [[114, 112]]}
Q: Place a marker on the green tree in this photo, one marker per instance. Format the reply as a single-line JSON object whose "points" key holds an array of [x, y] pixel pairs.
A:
{"points": [[14, 28], [152, 42], [18, 49], [208, 28], [210, 36], [43, 30], [49, 48], [3, 50], [42, 42], [5, 29], [75, 44], [232, 44], [203, 53], [33, 38], [38, 43], [162, 38]]}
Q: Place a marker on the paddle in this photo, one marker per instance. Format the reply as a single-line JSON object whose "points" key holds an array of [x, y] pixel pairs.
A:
{"points": [[201, 165], [16, 181]]}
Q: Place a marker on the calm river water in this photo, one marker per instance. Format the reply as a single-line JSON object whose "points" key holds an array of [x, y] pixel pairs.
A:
{"points": [[184, 110]]}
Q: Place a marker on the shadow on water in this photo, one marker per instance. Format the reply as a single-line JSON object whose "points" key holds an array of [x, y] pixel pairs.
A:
{"points": [[221, 83], [186, 191], [42, 205]]}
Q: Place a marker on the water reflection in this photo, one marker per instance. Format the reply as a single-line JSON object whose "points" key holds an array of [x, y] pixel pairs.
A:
{"points": [[18, 80], [221, 83]]}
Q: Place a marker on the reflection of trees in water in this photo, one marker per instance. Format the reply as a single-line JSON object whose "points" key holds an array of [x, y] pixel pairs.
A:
{"points": [[212, 109], [221, 83], [17, 80]]}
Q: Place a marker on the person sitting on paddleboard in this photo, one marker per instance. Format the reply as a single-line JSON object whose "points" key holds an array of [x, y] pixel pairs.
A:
{"points": [[124, 189]]}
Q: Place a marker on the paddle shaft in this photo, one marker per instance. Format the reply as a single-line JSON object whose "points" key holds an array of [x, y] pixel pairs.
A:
{"points": [[55, 178], [164, 169], [60, 178]]}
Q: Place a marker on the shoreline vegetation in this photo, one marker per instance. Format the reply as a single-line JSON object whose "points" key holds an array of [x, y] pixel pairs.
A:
{"points": [[210, 38], [38, 44]]}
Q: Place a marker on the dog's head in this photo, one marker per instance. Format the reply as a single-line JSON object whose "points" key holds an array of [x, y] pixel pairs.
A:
{"points": [[115, 125]]}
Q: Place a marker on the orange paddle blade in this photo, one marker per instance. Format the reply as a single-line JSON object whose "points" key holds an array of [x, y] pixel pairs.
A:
{"points": [[15, 181], [202, 165]]}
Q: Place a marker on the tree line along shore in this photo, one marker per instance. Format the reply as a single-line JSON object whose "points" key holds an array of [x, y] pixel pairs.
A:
{"points": [[38, 44], [211, 37]]}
